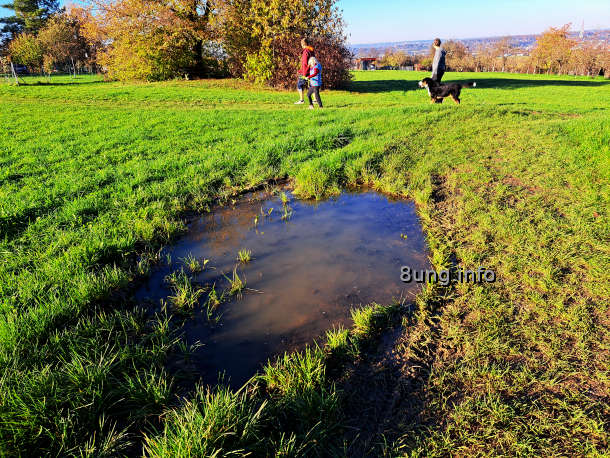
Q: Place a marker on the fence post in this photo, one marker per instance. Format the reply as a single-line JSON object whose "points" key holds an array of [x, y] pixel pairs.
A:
{"points": [[14, 73]]}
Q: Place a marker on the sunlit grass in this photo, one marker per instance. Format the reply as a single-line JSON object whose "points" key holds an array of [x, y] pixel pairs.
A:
{"points": [[244, 256], [195, 265], [236, 283], [185, 295], [94, 175]]}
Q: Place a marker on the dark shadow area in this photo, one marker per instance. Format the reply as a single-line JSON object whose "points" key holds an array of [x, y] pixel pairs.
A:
{"points": [[378, 86], [501, 83], [385, 396], [41, 80], [66, 83]]}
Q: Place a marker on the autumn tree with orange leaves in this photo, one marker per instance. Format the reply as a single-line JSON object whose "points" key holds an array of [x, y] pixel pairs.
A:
{"points": [[156, 40], [553, 50]]}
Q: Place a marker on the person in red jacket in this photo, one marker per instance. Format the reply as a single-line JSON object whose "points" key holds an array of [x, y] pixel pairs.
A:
{"points": [[304, 71]]}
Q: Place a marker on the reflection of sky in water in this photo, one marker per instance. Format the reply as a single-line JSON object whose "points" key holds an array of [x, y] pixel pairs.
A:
{"points": [[305, 275]]}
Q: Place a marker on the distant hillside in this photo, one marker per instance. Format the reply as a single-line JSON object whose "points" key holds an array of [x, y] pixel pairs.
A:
{"points": [[524, 42]]}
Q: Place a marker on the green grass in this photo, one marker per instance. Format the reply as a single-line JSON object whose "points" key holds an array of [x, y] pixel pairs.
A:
{"points": [[244, 256], [236, 284], [185, 295], [195, 265], [95, 177]]}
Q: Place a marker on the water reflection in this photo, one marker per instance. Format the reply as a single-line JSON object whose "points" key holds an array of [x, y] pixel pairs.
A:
{"points": [[306, 273]]}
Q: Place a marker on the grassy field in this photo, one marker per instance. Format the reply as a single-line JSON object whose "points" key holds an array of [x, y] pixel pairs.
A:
{"points": [[95, 177]]}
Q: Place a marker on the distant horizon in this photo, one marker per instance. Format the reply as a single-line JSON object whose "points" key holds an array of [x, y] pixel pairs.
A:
{"points": [[477, 37]]}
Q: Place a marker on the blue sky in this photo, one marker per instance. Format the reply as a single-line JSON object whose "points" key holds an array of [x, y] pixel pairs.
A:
{"points": [[374, 21]]}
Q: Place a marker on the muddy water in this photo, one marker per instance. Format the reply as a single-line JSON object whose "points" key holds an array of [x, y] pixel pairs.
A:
{"points": [[307, 272]]}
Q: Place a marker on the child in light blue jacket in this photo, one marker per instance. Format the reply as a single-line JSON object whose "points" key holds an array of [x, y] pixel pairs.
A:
{"points": [[315, 81]]}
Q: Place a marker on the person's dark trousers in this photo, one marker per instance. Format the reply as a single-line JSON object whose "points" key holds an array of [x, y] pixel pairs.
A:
{"points": [[314, 90], [438, 76]]}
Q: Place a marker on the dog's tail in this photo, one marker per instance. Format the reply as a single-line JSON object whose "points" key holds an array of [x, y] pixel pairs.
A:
{"points": [[473, 84]]}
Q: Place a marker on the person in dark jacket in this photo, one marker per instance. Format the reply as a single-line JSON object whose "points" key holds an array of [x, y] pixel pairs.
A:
{"points": [[302, 82], [438, 64]]}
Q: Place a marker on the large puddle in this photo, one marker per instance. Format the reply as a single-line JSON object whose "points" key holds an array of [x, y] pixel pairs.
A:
{"points": [[311, 263]]}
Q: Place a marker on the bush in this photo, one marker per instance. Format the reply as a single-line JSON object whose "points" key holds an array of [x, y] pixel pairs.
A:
{"points": [[259, 67], [332, 53]]}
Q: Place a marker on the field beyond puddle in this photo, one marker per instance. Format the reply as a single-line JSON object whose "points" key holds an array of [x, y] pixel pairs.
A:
{"points": [[312, 262]]}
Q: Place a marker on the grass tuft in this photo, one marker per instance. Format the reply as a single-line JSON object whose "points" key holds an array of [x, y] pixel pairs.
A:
{"points": [[236, 284], [373, 319], [185, 295], [214, 423], [195, 265], [244, 256]]}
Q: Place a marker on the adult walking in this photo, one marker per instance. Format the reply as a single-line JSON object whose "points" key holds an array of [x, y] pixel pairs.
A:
{"points": [[302, 82], [438, 64]]}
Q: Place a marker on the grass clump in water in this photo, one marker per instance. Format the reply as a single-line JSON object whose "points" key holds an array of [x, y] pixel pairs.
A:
{"points": [[185, 295], [212, 303], [195, 265], [287, 214], [284, 198], [236, 284], [244, 256]]}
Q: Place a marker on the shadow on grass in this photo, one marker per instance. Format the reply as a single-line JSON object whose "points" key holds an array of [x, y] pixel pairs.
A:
{"points": [[377, 86], [502, 83], [385, 397], [60, 83], [61, 80]]}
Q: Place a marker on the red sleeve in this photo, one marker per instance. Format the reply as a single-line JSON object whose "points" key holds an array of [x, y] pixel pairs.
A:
{"points": [[304, 59], [314, 73]]}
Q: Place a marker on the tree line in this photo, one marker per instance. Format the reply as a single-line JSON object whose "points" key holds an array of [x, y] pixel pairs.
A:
{"points": [[254, 39], [162, 39], [555, 52]]}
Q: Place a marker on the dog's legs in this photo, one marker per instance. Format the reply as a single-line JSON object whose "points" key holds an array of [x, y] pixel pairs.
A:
{"points": [[455, 99]]}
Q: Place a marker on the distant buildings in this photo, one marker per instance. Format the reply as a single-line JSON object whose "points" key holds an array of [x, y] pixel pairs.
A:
{"points": [[366, 63], [523, 43]]}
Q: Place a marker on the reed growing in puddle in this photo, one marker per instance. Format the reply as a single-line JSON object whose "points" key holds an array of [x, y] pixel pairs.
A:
{"points": [[236, 284], [195, 265], [244, 256], [185, 295], [212, 303]]}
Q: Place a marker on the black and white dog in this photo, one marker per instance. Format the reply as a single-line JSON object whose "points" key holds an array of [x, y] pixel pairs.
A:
{"points": [[439, 91]]}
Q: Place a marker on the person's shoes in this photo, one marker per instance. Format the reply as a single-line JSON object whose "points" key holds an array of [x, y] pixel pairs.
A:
{"points": [[311, 107], [300, 102]]}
